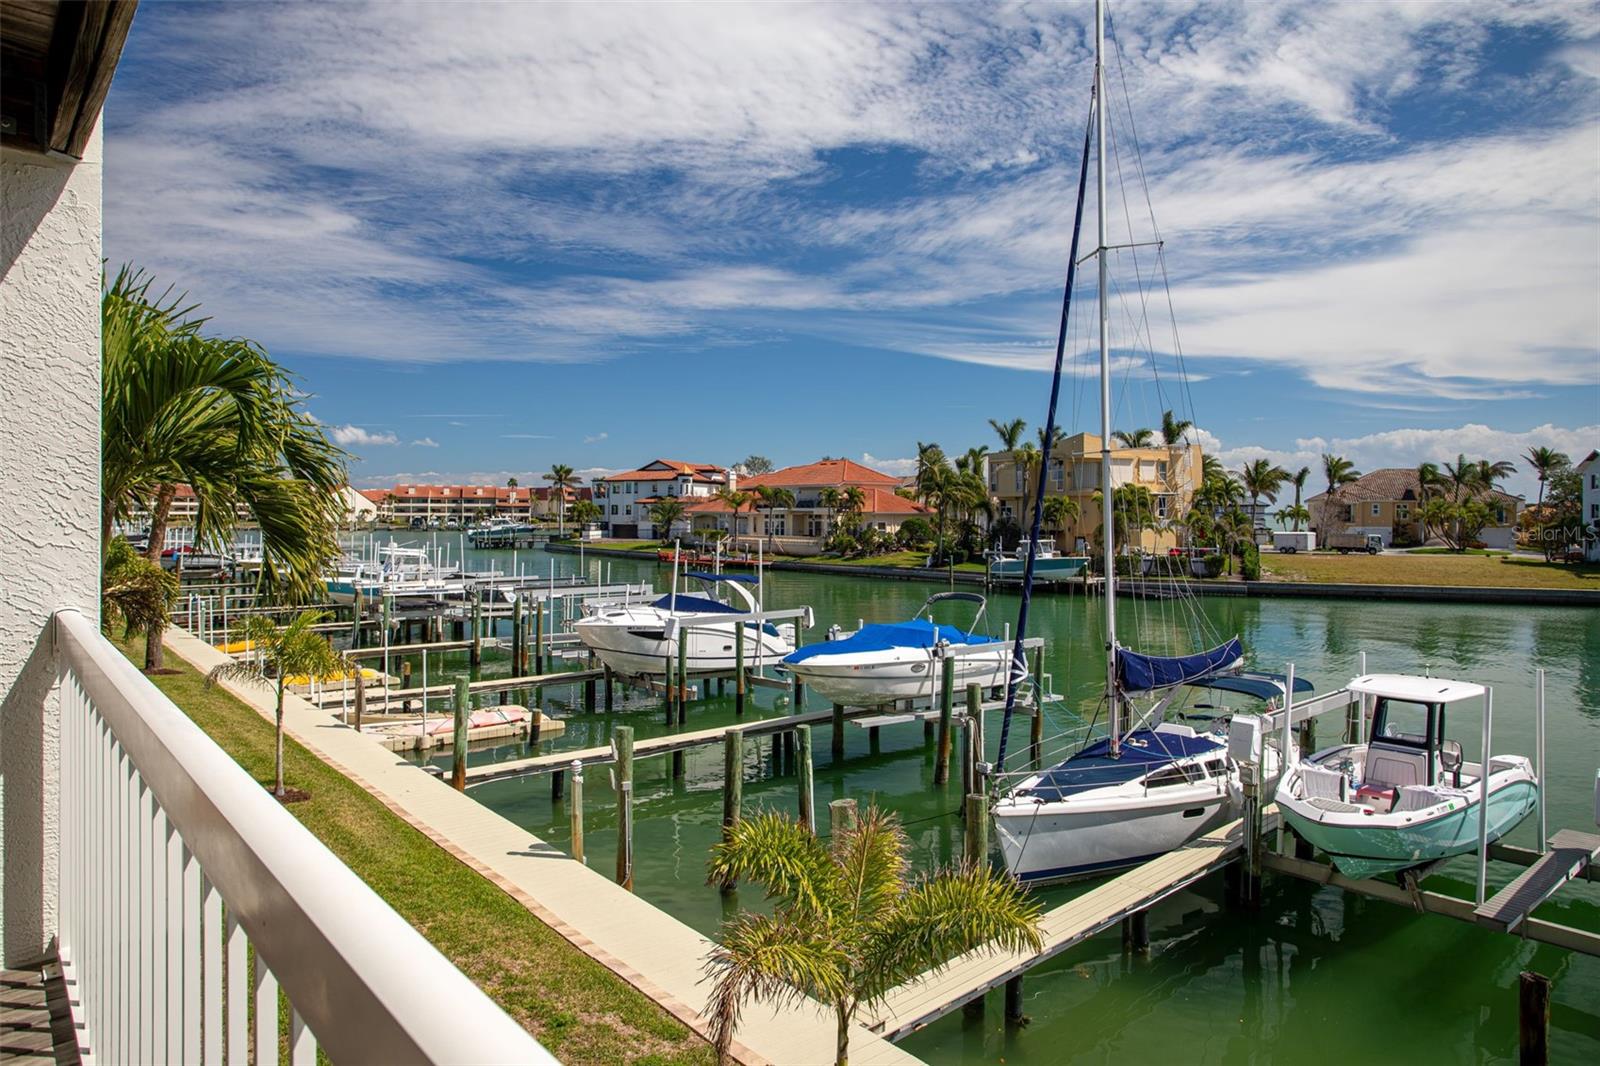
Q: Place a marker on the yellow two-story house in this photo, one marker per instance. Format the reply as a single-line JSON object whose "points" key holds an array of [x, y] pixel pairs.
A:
{"points": [[1171, 473]]}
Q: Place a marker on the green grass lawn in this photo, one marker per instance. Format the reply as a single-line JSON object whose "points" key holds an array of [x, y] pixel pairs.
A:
{"points": [[897, 560], [577, 1008], [624, 545], [1481, 571]]}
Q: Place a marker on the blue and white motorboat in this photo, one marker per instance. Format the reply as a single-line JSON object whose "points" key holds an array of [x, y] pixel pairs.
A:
{"points": [[1048, 564], [1406, 797], [885, 662], [642, 639]]}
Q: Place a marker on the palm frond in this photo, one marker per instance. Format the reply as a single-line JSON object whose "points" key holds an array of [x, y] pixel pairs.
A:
{"points": [[773, 959], [872, 863], [780, 855]]}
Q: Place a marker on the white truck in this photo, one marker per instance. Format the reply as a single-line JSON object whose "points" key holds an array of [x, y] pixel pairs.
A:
{"points": [[1345, 543], [1294, 541]]}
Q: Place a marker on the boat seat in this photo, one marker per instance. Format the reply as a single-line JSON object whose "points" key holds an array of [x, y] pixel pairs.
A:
{"points": [[1324, 784], [1419, 797], [1395, 767], [1335, 806]]}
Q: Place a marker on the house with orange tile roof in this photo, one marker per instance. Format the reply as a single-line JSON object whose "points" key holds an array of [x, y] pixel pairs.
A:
{"points": [[803, 528], [625, 499]]}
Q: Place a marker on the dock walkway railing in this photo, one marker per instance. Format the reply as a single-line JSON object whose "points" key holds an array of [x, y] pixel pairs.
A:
{"points": [[175, 863]]}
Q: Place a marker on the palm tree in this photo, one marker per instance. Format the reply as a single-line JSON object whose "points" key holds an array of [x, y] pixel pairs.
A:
{"points": [[1339, 472], [134, 592], [1136, 438], [853, 499], [664, 514], [281, 655], [771, 498], [1298, 480], [1030, 460], [511, 482], [1058, 510], [736, 500], [1262, 479], [1296, 514], [585, 511], [1173, 430], [1489, 473], [850, 923], [220, 416], [1010, 433], [1211, 467], [1545, 461], [1461, 475], [561, 478]]}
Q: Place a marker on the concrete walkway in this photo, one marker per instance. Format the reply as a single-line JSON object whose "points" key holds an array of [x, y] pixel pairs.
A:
{"points": [[651, 950]]}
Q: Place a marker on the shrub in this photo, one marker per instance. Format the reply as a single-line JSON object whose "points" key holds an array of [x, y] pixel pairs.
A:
{"points": [[1250, 562], [1214, 564], [915, 533]]}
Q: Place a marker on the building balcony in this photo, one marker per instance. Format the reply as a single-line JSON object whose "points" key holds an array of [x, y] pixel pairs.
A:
{"points": [[190, 905]]}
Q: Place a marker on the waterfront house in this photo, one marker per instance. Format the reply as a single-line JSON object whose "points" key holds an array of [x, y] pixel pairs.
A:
{"points": [[804, 528], [1589, 471], [1387, 502], [627, 497], [1171, 474], [138, 862]]}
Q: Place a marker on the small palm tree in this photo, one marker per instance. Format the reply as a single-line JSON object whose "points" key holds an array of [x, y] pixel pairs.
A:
{"points": [[736, 501], [1545, 461], [664, 514], [1262, 479], [1135, 438], [278, 653], [1173, 430], [770, 498], [511, 482], [1296, 514], [1058, 510], [1010, 433], [134, 592], [851, 922], [1339, 472], [1298, 480], [561, 478]]}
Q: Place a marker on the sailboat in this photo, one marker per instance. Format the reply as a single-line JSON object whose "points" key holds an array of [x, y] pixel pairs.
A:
{"points": [[1148, 785]]}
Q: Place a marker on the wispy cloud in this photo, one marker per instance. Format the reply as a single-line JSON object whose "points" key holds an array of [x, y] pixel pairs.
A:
{"points": [[425, 442], [525, 436], [595, 438], [359, 437]]}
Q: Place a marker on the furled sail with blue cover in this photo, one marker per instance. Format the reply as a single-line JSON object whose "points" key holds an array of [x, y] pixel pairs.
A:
{"points": [[1141, 673], [918, 633]]}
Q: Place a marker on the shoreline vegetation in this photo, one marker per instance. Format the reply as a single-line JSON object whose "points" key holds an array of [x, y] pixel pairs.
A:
{"points": [[576, 1008], [1412, 570]]}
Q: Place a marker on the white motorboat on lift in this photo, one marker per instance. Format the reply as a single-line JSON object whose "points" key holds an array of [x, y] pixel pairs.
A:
{"points": [[882, 663], [1406, 797], [642, 639]]}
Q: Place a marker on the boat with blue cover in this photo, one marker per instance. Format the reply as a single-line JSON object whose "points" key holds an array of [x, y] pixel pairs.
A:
{"points": [[641, 639], [885, 662], [1406, 797]]}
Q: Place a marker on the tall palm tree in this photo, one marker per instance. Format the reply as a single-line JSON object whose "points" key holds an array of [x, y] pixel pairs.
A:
{"points": [[218, 415], [1211, 467], [664, 514], [850, 923], [1462, 476], [1010, 433], [1173, 430], [1030, 461], [772, 497], [511, 482], [1135, 438], [736, 499], [561, 478], [1058, 510], [1339, 472], [1298, 480], [283, 655], [1545, 461], [1261, 479], [1490, 473], [1296, 514]]}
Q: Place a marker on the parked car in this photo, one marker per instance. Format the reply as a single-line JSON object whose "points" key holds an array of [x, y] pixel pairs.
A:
{"points": [[1345, 543], [1294, 541]]}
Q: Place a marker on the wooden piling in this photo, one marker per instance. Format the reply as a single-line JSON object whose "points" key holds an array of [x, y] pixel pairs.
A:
{"points": [[1036, 725], [841, 815], [1308, 736], [361, 698], [576, 809], [538, 637], [874, 741], [977, 837], [732, 787], [622, 743], [458, 774], [738, 671], [608, 690], [838, 732], [1533, 1018], [808, 814], [1250, 881], [588, 695], [1014, 1015], [558, 781], [947, 699], [799, 696], [477, 632], [516, 635], [683, 676]]}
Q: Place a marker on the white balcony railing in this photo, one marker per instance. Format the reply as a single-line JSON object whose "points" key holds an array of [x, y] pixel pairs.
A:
{"points": [[175, 863]]}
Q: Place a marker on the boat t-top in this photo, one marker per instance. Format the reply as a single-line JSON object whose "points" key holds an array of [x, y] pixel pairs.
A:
{"points": [[1406, 797], [885, 662], [642, 639]]}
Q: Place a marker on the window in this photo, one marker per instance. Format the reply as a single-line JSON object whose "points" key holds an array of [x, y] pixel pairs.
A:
{"points": [[1161, 506], [1161, 470], [1377, 509], [1058, 474], [1346, 513], [1594, 510], [614, 509], [1402, 511], [1020, 476]]}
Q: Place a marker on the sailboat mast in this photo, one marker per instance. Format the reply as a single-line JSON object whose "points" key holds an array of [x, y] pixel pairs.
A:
{"points": [[1106, 523]]}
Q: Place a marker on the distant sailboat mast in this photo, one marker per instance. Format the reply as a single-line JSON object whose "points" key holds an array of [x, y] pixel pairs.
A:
{"points": [[1106, 523]]}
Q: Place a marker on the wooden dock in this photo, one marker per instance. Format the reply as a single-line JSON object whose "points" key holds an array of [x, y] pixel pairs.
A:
{"points": [[477, 775], [377, 698], [933, 995], [1571, 854]]}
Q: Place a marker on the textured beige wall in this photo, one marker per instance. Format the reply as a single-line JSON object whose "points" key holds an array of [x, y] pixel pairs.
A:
{"points": [[50, 457]]}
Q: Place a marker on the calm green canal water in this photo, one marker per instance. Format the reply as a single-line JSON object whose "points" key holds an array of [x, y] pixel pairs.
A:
{"points": [[1315, 976]]}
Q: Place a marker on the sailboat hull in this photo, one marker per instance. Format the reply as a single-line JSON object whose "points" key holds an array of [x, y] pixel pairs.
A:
{"points": [[1044, 842]]}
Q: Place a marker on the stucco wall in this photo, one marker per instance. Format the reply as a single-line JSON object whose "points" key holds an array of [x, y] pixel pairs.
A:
{"points": [[50, 460]]}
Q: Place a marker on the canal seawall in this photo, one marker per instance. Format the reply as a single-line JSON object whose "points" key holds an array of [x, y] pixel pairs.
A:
{"points": [[1541, 597]]}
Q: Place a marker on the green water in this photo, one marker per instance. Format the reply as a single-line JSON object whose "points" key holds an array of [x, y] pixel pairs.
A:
{"points": [[1315, 976]]}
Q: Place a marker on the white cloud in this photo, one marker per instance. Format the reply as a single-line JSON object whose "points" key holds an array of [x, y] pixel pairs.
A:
{"points": [[1409, 447], [356, 436], [893, 467], [595, 438], [525, 436], [425, 442]]}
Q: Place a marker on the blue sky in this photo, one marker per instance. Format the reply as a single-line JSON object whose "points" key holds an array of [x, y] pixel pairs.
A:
{"points": [[493, 237]]}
